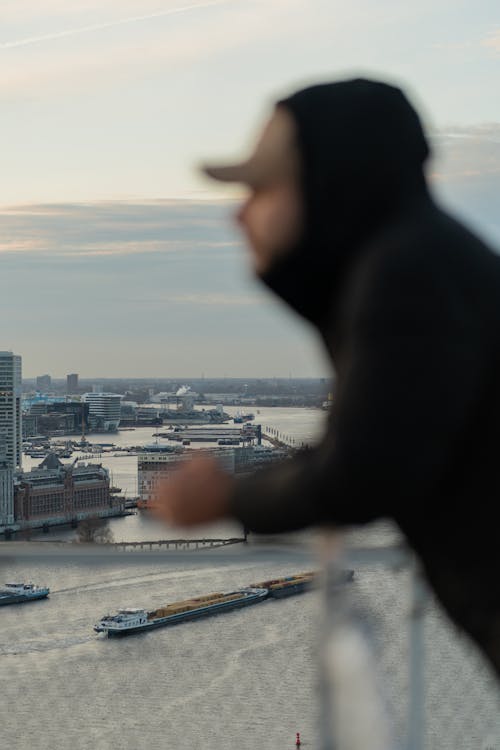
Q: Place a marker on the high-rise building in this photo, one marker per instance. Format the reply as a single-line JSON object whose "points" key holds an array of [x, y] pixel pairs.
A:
{"points": [[72, 383], [6, 487], [104, 410], [43, 383], [10, 407]]}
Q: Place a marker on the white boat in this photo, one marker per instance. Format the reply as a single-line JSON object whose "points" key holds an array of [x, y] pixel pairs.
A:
{"points": [[18, 593]]}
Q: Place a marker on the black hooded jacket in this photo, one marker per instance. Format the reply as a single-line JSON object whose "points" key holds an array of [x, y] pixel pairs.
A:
{"points": [[407, 301]]}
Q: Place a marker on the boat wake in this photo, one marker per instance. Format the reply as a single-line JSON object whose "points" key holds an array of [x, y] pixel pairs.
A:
{"points": [[40, 646], [271, 636], [115, 582]]}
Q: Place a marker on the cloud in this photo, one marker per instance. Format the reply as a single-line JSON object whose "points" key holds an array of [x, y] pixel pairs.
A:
{"points": [[467, 160], [492, 41], [137, 289], [19, 244], [485, 130], [236, 24], [18, 11], [466, 151], [466, 174], [118, 229], [51, 36], [454, 46]]}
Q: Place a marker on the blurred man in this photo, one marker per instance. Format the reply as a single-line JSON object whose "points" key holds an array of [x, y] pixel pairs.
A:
{"points": [[341, 225]]}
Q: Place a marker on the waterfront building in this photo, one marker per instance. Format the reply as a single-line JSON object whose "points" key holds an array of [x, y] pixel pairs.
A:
{"points": [[74, 415], [153, 467], [10, 407], [128, 410], [43, 383], [56, 423], [250, 458], [104, 410], [55, 417], [54, 493], [229, 399], [72, 383], [40, 407], [6, 487], [147, 415]]}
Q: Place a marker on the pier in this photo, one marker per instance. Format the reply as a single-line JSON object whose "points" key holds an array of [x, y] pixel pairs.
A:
{"points": [[178, 544], [244, 434], [279, 440]]}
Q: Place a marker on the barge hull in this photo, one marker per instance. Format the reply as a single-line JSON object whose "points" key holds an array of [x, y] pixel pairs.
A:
{"points": [[20, 599], [164, 622], [297, 588]]}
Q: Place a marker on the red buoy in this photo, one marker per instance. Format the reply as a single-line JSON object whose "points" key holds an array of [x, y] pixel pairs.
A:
{"points": [[297, 739]]}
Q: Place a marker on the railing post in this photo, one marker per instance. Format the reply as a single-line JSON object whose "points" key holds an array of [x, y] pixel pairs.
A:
{"points": [[326, 739], [416, 707], [354, 712]]}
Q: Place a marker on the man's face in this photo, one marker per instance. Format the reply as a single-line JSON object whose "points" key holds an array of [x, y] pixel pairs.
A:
{"points": [[273, 214], [272, 219]]}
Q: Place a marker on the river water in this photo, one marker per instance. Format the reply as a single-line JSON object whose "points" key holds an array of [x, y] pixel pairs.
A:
{"points": [[247, 679]]}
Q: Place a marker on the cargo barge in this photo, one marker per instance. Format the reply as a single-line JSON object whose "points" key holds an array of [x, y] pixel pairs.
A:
{"points": [[19, 593], [128, 621]]}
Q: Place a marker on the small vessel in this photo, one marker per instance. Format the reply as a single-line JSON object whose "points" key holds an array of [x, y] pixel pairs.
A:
{"points": [[239, 418], [18, 593], [128, 621]]}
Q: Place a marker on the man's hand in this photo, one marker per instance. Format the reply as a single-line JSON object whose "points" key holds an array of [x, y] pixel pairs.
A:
{"points": [[196, 493]]}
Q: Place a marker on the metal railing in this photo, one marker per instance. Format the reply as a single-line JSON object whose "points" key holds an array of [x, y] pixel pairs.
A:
{"points": [[412, 681]]}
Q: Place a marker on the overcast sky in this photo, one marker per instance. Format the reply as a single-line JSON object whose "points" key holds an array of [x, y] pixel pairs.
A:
{"points": [[116, 258]]}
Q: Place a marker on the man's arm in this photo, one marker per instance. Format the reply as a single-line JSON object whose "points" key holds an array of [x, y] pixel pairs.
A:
{"points": [[409, 374]]}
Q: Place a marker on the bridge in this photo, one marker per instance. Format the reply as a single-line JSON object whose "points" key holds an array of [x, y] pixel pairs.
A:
{"points": [[188, 544]]}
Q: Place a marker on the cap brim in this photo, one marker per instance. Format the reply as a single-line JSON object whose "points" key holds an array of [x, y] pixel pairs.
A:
{"points": [[230, 173]]}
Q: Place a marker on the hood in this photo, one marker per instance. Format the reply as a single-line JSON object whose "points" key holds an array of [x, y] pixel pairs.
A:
{"points": [[362, 148]]}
